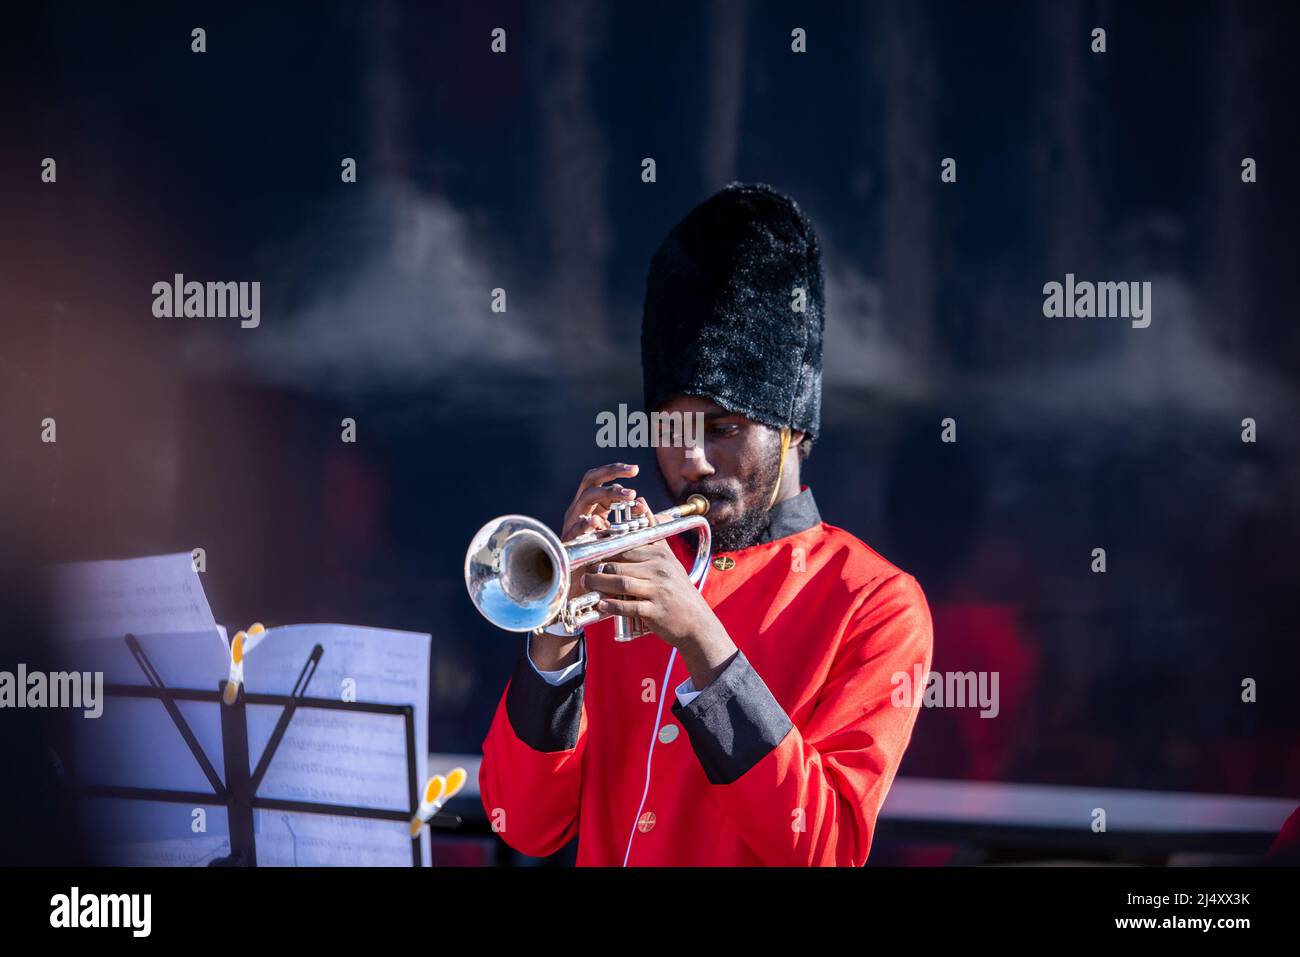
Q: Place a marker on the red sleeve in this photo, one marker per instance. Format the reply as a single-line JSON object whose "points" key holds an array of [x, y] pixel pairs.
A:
{"points": [[531, 774], [811, 797]]}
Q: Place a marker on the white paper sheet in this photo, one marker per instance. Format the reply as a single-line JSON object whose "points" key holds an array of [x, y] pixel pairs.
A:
{"points": [[337, 757], [159, 595]]}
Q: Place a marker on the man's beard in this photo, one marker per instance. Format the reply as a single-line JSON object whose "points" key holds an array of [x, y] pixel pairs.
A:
{"points": [[743, 531], [754, 518]]}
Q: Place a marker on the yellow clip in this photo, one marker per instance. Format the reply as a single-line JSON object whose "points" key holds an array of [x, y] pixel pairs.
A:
{"points": [[437, 792], [243, 643]]}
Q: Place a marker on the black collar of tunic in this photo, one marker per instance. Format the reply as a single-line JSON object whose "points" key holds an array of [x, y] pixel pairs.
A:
{"points": [[792, 516]]}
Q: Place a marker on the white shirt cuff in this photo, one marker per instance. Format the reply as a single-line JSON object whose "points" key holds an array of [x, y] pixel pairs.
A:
{"points": [[686, 693], [564, 674]]}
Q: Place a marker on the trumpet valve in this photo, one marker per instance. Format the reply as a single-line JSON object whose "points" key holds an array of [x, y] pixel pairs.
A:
{"points": [[621, 519]]}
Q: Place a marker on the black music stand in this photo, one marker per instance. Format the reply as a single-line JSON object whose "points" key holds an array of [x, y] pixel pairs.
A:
{"points": [[239, 794]]}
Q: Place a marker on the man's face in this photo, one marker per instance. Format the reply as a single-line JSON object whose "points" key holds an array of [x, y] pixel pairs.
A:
{"points": [[735, 465]]}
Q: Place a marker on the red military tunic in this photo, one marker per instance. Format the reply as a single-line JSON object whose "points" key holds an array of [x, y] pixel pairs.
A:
{"points": [[784, 759]]}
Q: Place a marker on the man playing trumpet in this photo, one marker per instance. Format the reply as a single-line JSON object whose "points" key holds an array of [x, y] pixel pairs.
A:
{"points": [[780, 739]]}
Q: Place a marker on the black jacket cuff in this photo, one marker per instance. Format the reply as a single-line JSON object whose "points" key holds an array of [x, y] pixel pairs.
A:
{"points": [[733, 723], [545, 717]]}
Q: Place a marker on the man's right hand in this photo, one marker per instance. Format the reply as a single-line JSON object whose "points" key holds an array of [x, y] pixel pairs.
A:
{"points": [[588, 512]]}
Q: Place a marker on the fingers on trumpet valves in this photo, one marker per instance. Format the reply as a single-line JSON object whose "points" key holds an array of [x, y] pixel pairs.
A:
{"points": [[623, 517], [600, 499], [630, 516], [641, 508]]}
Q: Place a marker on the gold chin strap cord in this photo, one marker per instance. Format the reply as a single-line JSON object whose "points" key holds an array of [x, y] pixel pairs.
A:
{"points": [[780, 468]]}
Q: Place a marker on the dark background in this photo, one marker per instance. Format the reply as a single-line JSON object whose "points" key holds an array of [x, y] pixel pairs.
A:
{"points": [[522, 171]]}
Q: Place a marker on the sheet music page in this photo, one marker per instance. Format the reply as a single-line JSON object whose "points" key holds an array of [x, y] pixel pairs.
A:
{"points": [[338, 757], [158, 595]]}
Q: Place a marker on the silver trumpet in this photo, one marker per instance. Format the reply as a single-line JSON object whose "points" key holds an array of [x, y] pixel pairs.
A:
{"points": [[518, 571]]}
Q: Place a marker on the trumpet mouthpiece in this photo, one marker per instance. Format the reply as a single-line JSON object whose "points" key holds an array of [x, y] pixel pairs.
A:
{"points": [[696, 505]]}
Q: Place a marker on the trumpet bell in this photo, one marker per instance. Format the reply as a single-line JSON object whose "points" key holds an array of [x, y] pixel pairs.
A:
{"points": [[517, 573]]}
